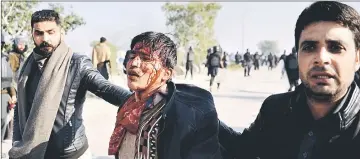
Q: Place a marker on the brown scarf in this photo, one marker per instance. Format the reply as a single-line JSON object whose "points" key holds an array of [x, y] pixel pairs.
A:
{"points": [[127, 119], [36, 126]]}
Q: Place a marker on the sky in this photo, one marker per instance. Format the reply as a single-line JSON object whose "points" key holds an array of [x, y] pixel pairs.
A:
{"points": [[238, 25]]}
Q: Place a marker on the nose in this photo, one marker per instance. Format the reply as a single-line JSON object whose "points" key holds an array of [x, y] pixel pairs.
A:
{"points": [[323, 57], [46, 37], [136, 61]]}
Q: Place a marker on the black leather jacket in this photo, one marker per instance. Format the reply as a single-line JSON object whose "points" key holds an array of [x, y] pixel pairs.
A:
{"points": [[68, 139], [189, 127], [283, 122]]}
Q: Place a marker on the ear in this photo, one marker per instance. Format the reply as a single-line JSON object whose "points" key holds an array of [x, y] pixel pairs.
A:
{"points": [[167, 74], [357, 60], [62, 32]]}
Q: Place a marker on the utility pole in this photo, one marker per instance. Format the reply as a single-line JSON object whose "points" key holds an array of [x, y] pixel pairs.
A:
{"points": [[243, 31]]}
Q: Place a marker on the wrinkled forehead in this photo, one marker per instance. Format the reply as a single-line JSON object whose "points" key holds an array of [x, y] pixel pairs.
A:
{"points": [[146, 49]]}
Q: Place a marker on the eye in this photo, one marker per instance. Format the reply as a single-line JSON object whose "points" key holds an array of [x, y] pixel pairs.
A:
{"points": [[51, 32], [335, 48], [145, 57], [38, 33], [308, 47]]}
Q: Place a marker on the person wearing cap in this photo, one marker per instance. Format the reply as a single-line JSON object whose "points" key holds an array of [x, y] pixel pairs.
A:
{"points": [[16, 56]]}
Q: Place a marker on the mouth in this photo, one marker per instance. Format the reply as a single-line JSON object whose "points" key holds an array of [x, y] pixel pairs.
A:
{"points": [[322, 75], [133, 74], [46, 47], [322, 78]]}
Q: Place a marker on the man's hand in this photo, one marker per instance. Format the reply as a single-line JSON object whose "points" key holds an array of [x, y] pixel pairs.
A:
{"points": [[13, 100]]}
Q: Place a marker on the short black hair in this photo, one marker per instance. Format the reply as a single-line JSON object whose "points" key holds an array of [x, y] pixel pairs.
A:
{"points": [[156, 41], [45, 15], [331, 11], [102, 39]]}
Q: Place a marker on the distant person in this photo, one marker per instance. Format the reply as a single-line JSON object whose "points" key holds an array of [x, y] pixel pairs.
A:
{"points": [[271, 61], [282, 58], [256, 61], [207, 64], [190, 57], [292, 69], [16, 55], [224, 59], [101, 58], [219, 78], [248, 62], [237, 58], [215, 63], [8, 96]]}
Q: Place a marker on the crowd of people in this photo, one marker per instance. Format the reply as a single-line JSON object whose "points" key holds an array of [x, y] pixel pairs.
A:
{"points": [[158, 118]]}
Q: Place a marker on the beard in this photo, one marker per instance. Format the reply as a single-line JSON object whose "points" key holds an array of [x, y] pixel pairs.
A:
{"points": [[43, 49], [320, 92]]}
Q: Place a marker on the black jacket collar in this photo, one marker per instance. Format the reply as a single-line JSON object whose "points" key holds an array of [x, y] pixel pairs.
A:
{"points": [[343, 114]]}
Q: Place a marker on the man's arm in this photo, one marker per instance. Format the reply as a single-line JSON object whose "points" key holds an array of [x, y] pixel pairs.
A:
{"points": [[206, 143], [246, 144], [97, 84]]}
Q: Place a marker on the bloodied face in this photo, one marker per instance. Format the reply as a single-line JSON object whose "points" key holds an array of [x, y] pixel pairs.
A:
{"points": [[145, 68]]}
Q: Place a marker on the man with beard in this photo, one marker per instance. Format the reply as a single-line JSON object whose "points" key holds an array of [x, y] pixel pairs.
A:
{"points": [[321, 118], [16, 56], [292, 69], [101, 58], [162, 119], [52, 87], [247, 63]]}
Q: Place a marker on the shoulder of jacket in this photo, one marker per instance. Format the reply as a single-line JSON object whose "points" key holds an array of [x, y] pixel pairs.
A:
{"points": [[195, 98], [277, 103], [78, 56]]}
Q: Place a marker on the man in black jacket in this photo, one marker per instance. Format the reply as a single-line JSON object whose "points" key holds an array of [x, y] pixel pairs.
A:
{"points": [[321, 118], [190, 57], [52, 85], [162, 119], [248, 62], [292, 69]]}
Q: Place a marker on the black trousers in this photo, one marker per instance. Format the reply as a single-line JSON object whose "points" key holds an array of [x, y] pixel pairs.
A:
{"points": [[102, 68], [189, 67], [247, 69], [213, 73]]}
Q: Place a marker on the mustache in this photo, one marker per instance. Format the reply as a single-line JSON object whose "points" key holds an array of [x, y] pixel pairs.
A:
{"points": [[45, 44], [132, 72], [326, 69]]}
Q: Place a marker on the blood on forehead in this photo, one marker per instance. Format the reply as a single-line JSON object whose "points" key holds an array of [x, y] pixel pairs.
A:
{"points": [[146, 49]]}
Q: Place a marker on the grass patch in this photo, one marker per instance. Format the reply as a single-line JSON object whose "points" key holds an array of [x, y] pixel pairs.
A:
{"points": [[234, 67]]}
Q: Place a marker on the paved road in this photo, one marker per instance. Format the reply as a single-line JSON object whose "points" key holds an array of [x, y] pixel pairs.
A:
{"points": [[237, 102]]}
